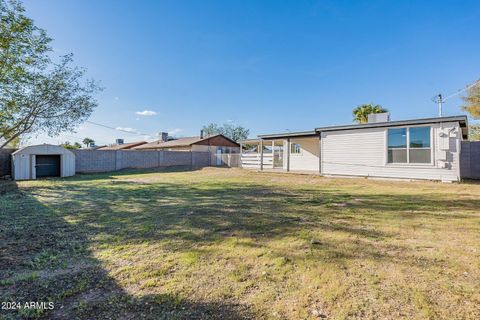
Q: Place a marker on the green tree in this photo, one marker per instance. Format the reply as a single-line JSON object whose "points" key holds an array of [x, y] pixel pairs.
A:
{"points": [[472, 100], [37, 94], [87, 142], [360, 113], [68, 145], [236, 133], [474, 132]]}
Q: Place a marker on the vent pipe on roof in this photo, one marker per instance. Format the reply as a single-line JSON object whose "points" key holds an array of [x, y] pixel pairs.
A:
{"points": [[201, 134]]}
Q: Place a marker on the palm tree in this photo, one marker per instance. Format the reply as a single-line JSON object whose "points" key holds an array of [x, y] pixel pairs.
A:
{"points": [[87, 142], [360, 113]]}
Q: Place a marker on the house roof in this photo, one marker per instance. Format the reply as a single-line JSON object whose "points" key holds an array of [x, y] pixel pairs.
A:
{"points": [[123, 146], [462, 119], [289, 134], [181, 142]]}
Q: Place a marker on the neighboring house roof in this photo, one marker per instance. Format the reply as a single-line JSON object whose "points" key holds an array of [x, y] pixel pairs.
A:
{"points": [[181, 142], [462, 119], [123, 146]]}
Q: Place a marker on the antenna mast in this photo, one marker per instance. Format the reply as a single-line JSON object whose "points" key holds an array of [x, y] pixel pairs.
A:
{"points": [[439, 99]]}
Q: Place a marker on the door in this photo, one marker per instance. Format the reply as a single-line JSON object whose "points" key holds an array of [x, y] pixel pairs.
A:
{"points": [[47, 165], [219, 157]]}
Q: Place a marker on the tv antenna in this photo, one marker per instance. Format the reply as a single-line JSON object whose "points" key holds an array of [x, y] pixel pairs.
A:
{"points": [[440, 99]]}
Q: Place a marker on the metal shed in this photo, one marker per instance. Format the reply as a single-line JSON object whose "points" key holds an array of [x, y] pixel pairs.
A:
{"points": [[43, 160]]}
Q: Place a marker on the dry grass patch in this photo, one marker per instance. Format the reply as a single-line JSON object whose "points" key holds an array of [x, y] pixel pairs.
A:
{"points": [[224, 243]]}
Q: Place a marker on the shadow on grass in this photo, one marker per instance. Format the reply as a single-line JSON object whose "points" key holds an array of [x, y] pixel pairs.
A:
{"points": [[46, 258], [7, 186]]}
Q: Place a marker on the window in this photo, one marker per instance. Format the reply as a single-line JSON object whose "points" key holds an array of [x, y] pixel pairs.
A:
{"points": [[397, 145], [409, 145], [295, 148]]}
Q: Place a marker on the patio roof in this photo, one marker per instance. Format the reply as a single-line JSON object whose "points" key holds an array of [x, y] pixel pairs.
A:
{"points": [[288, 135]]}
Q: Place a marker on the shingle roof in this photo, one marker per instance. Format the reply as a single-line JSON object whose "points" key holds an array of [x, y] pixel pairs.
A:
{"points": [[181, 142], [123, 146]]}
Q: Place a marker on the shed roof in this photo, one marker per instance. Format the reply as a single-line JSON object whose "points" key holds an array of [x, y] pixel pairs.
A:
{"points": [[43, 149]]}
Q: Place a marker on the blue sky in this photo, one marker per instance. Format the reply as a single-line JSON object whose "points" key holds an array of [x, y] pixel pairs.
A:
{"points": [[266, 65]]}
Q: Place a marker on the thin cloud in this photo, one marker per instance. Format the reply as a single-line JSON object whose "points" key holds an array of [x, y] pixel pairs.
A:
{"points": [[146, 113], [175, 131]]}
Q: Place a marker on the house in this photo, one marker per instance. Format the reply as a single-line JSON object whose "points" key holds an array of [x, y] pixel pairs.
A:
{"points": [[215, 144], [411, 149], [121, 145]]}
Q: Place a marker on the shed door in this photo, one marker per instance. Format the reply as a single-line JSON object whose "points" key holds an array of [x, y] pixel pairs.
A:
{"points": [[47, 165]]}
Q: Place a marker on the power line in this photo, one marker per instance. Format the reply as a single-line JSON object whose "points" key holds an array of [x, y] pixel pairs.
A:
{"points": [[120, 129], [440, 99], [461, 90]]}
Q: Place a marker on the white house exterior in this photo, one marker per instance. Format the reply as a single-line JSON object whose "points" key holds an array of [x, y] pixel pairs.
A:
{"points": [[412, 149]]}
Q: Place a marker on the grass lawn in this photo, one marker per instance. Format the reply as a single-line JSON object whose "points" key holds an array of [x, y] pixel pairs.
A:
{"points": [[228, 243]]}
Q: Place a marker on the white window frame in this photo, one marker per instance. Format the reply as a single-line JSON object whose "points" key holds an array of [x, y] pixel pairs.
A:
{"points": [[408, 164], [292, 144]]}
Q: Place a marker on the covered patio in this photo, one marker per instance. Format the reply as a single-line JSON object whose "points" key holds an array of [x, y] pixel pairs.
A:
{"points": [[290, 152]]}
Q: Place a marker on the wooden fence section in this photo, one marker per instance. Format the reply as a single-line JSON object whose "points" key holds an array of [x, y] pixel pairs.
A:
{"points": [[252, 160]]}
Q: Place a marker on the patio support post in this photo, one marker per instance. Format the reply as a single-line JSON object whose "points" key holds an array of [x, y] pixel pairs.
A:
{"points": [[288, 154], [261, 155], [320, 154], [273, 154]]}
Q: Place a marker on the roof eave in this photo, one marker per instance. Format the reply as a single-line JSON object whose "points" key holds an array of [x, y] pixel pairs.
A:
{"points": [[463, 121], [288, 135]]}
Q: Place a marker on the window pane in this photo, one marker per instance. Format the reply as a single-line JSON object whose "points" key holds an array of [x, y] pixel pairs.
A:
{"points": [[397, 138], [295, 148], [420, 156], [420, 137], [397, 156]]}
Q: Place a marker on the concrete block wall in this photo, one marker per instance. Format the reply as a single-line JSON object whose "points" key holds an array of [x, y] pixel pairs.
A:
{"points": [[176, 158], [201, 159], [470, 160], [137, 159], [111, 160], [95, 160]]}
